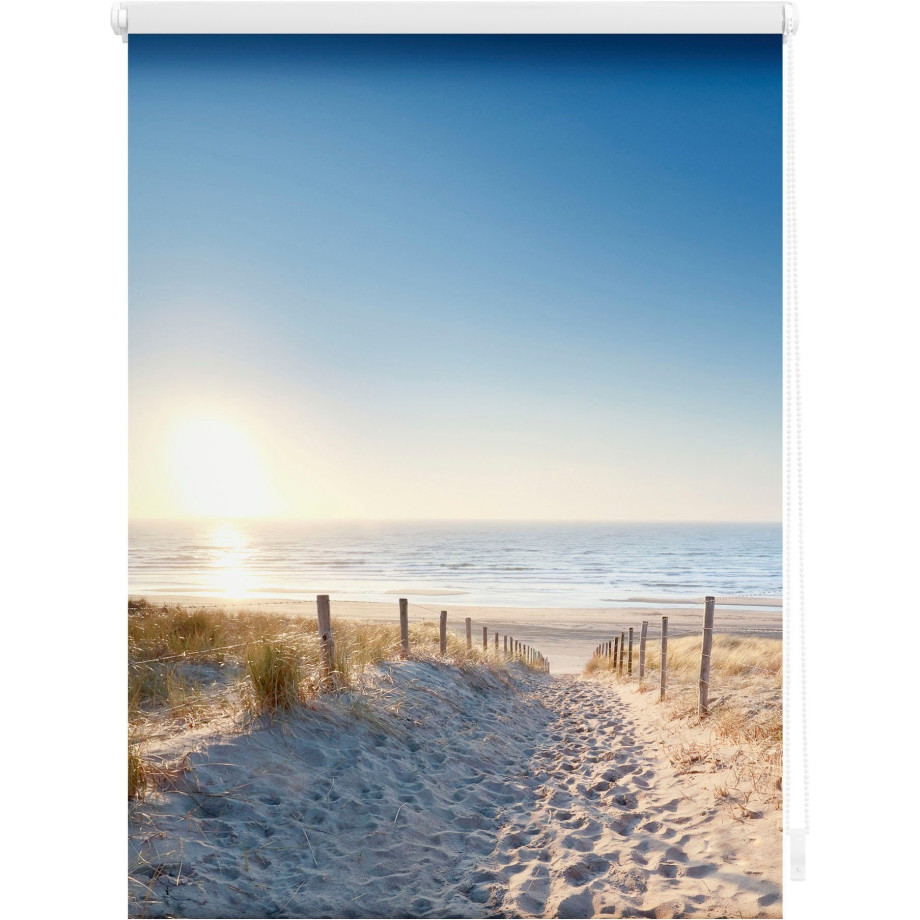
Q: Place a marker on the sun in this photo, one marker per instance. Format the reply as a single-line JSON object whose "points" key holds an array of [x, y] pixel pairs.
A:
{"points": [[216, 470]]}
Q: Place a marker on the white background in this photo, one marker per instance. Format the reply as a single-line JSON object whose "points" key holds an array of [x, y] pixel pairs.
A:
{"points": [[64, 373]]}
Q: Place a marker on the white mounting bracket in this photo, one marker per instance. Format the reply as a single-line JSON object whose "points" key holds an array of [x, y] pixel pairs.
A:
{"points": [[119, 19]]}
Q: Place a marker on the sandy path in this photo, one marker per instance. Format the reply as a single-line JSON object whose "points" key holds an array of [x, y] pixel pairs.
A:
{"points": [[444, 795], [609, 828]]}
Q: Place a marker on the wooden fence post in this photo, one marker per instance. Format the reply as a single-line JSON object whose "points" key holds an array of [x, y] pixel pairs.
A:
{"points": [[629, 663], [485, 638], [643, 635], [706, 654], [404, 627], [616, 651], [622, 652], [496, 643], [443, 632], [469, 634], [506, 646], [664, 656], [324, 628]]}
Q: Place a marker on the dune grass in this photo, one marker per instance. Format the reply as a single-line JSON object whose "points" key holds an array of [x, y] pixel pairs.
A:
{"points": [[745, 705], [275, 674], [732, 656], [179, 656], [197, 664], [137, 773]]}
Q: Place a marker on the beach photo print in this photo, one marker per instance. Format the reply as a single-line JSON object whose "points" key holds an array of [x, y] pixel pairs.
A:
{"points": [[456, 475]]}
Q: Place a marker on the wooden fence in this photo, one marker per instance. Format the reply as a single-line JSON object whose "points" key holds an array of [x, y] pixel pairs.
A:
{"points": [[511, 649], [619, 650], [621, 647]]}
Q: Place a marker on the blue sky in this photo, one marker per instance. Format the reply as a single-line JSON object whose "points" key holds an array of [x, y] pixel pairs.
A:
{"points": [[457, 276]]}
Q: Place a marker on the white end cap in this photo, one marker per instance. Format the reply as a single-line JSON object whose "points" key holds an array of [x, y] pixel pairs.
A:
{"points": [[119, 19], [797, 855]]}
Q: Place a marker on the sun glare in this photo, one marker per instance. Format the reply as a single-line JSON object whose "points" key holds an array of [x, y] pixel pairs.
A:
{"points": [[229, 573], [216, 470]]}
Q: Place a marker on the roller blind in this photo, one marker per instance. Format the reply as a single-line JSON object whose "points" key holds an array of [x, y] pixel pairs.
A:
{"points": [[465, 479]]}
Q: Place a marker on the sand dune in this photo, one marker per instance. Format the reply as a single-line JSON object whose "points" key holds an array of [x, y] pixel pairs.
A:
{"points": [[435, 793]]}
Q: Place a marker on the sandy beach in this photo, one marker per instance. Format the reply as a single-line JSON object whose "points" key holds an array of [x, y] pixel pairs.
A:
{"points": [[433, 788], [531, 797]]}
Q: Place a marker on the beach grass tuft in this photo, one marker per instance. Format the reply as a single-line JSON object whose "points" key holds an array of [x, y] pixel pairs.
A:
{"points": [[157, 632], [137, 773], [275, 675]]}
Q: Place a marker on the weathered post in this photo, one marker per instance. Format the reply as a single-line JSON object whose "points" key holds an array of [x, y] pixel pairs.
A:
{"points": [[622, 652], [643, 635], [616, 651], [485, 638], [404, 627], [664, 656], [629, 663], [496, 643], [469, 634], [706, 654], [324, 628], [443, 632], [506, 646]]}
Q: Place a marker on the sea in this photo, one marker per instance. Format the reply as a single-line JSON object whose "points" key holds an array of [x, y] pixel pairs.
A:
{"points": [[484, 563]]}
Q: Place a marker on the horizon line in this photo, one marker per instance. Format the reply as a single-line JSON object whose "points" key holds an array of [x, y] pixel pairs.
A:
{"points": [[419, 520]]}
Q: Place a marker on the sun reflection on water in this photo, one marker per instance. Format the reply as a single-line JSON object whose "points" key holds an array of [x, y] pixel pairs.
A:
{"points": [[229, 572]]}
